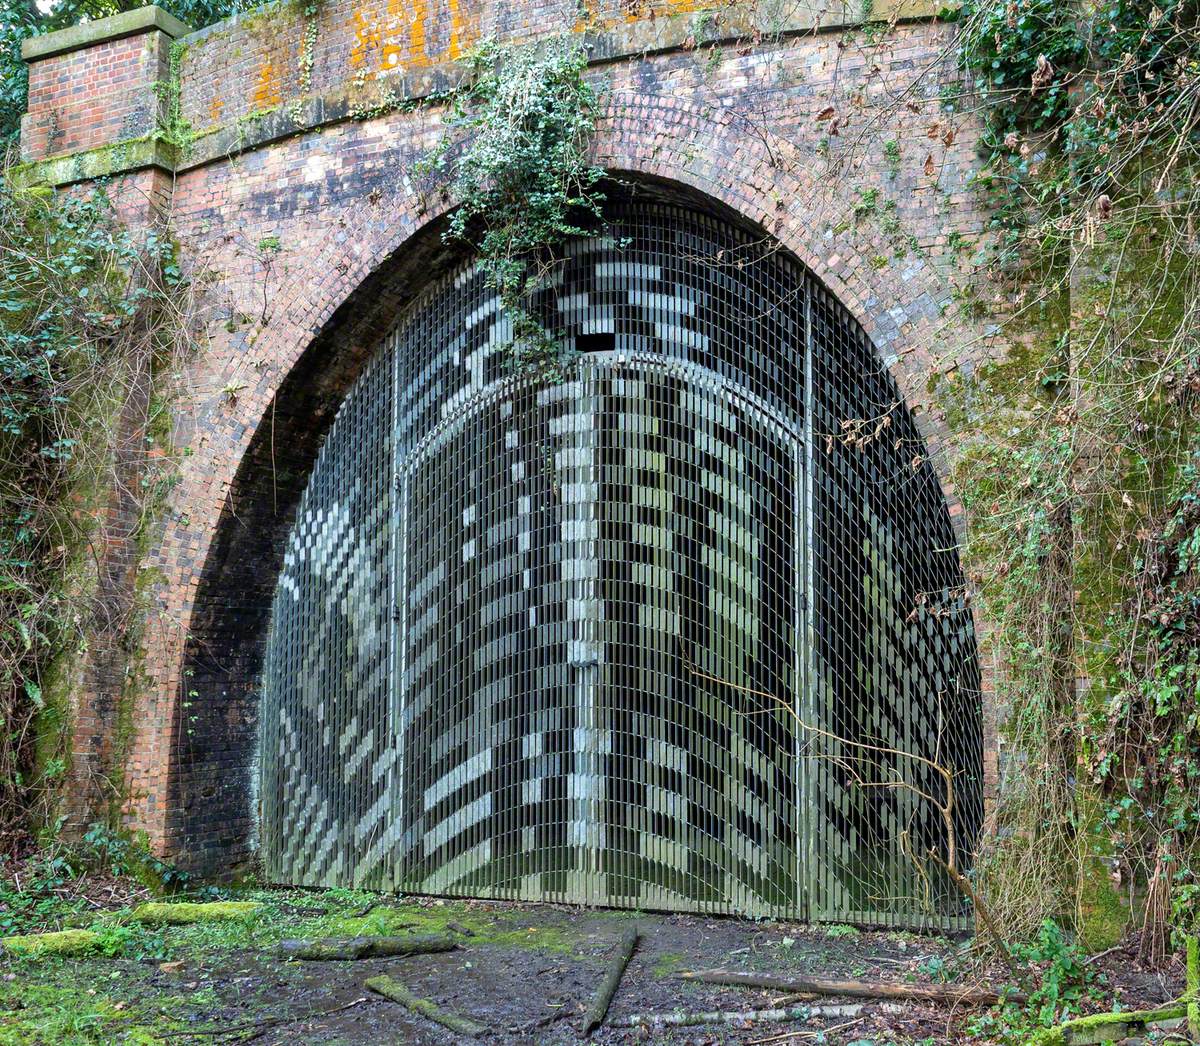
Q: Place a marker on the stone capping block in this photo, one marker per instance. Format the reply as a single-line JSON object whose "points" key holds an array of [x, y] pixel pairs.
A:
{"points": [[101, 162], [88, 34]]}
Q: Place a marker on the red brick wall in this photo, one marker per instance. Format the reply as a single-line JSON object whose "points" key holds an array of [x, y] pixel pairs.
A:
{"points": [[95, 96], [789, 131], [253, 63]]}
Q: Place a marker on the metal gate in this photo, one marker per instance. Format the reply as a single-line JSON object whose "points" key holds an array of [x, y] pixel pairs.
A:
{"points": [[686, 630]]}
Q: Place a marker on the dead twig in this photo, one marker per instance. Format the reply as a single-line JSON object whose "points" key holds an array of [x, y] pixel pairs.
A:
{"points": [[852, 989], [806, 1034]]}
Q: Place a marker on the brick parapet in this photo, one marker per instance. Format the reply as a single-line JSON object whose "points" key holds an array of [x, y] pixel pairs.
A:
{"points": [[97, 85]]}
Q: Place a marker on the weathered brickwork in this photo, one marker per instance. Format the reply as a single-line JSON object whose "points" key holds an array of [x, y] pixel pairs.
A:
{"points": [[100, 94], [834, 139]]}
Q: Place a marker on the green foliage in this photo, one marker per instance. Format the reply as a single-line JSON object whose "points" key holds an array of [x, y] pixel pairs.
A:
{"points": [[1060, 984], [118, 854], [518, 152], [47, 894], [891, 157], [37, 903], [1080, 447], [838, 931], [1063, 980], [1073, 93], [86, 310]]}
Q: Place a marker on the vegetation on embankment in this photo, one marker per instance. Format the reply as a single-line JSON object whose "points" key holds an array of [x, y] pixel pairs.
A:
{"points": [[1080, 463], [92, 317]]}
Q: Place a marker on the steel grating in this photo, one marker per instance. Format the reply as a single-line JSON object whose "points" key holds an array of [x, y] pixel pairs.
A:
{"points": [[685, 631]]}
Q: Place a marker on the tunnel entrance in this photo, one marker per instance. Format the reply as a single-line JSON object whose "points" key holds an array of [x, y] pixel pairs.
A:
{"points": [[686, 630]]}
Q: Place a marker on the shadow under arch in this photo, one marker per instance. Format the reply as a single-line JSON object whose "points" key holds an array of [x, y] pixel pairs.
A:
{"points": [[212, 784]]}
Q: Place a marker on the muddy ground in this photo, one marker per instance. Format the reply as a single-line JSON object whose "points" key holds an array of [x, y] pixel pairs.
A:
{"points": [[527, 972]]}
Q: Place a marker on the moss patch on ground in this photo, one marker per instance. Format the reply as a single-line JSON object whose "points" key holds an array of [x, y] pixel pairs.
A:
{"points": [[60, 942], [185, 913]]}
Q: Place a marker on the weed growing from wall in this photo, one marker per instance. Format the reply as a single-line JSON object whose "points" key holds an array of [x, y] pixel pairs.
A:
{"points": [[517, 155]]}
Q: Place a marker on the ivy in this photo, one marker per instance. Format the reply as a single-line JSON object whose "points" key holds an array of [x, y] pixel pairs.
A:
{"points": [[86, 309], [1073, 96], [517, 152], [1080, 469]]}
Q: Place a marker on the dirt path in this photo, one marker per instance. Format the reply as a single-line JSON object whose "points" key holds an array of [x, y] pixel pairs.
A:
{"points": [[525, 971]]}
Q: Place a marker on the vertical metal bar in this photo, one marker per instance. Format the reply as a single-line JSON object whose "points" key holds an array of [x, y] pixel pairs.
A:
{"points": [[806, 765], [397, 616]]}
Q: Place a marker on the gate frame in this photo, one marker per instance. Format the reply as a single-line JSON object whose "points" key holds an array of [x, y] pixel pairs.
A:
{"points": [[205, 653]]}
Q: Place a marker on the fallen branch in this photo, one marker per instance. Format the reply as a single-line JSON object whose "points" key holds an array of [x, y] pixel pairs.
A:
{"points": [[608, 987], [266, 1022], [57, 943], [775, 1015], [853, 989], [334, 948], [397, 992], [541, 1022], [1107, 1027], [184, 913]]}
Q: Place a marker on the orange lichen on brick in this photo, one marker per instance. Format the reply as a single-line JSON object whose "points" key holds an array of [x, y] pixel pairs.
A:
{"points": [[367, 37], [463, 32], [401, 38], [267, 91], [214, 110]]}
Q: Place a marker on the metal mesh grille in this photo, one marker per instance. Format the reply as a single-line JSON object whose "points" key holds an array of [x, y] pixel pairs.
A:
{"points": [[572, 659]]}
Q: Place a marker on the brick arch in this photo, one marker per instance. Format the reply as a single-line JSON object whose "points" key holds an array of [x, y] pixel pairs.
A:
{"points": [[196, 730]]}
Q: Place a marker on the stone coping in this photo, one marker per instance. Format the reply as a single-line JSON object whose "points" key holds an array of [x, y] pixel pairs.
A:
{"points": [[88, 34]]}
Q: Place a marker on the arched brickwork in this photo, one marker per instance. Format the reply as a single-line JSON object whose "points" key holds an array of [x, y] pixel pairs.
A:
{"points": [[196, 729], [295, 205]]}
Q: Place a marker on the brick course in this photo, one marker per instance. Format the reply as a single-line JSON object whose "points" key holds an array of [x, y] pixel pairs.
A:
{"points": [[742, 122]]}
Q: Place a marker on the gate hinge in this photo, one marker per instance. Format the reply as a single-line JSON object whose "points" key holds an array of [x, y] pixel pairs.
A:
{"points": [[396, 614], [396, 482]]}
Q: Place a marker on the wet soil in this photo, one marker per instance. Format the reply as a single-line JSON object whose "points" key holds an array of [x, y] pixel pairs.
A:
{"points": [[527, 973], [525, 993]]}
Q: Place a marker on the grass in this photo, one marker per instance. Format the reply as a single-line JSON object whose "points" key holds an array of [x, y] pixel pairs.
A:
{"points": [[80, 1004], [120, 996]]}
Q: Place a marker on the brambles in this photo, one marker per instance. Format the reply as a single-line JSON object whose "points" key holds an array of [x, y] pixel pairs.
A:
{"points": [[89, 315]]}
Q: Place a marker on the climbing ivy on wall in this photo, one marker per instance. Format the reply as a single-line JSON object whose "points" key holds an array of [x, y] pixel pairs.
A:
{"points": [[517, 158], [89, 314], [1081, 469]]}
